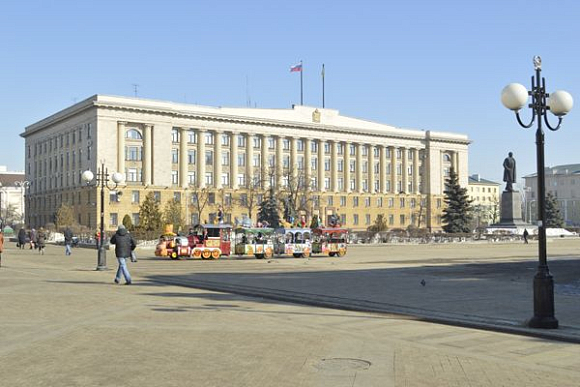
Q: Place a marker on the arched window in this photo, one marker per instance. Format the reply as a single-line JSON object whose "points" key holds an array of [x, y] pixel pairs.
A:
{"points": [[446, 158], [134, 134]]}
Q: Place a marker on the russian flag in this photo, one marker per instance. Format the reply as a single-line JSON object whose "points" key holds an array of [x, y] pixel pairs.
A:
{"points": [[297, 67]]}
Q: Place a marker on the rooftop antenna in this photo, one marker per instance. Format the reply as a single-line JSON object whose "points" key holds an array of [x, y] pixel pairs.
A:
{"points": [[135, 87], [248, 99]]}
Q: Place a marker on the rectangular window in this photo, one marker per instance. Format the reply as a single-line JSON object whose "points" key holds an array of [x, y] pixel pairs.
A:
{"points": [[177, 197], [367, 219], [191, 177], [343, 201], [208, 157], [271, 143], [174, 156], [208, 138], [174, 177], [339, 148], [355, 201], [191, 137], [241, 159], [365, 150], [402, 202], [241, 141], [225, 140], [132, 175], [355, 219], [135, 219], [379, 202], [314, 146], [329, 201], [314, 163], [340, 166], [340, 184], [256, 161], [241, 179], [157, 196], [300, 145], [402, 220], [327, 183], [113, 219], [326, 147], [367, 202], [191, 156], [391, 220], [134, 197], [352, 165], [286, 144], [326, 164], [208, 178], [286, 161], [225, 179], [225, 158]]}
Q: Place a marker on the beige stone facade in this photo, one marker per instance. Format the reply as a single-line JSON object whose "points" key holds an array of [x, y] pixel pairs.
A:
{"points": [[485, 197], [354, 168]]}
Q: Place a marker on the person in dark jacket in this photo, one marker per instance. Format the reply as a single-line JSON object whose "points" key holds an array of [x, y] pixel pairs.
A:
{"points": [[21, 238], [68, 240], [41, 241], [124, 244]]}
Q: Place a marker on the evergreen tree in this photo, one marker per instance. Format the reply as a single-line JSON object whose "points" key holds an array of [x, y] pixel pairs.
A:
{"points": [[553, 216], [149, 214], [457, 213], [172, 214], [127, 222], [269, 210]]}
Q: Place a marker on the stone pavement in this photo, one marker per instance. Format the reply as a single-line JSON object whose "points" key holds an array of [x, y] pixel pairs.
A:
{"points": [[64, 324], [484, 285]]}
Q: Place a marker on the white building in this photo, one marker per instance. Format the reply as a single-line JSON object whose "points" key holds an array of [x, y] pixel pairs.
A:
{"points": [[13, 188], [352, 167]]}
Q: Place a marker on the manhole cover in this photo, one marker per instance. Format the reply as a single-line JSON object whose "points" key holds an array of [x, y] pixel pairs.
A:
{"points": [[342, 364]]}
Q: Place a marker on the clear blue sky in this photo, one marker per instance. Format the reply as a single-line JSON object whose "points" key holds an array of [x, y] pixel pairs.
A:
{"points": [[438, 65]]}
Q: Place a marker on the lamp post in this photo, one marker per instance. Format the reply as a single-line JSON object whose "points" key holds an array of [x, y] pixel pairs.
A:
{"points": [[102, 180], [514, 96], [24, 185]]}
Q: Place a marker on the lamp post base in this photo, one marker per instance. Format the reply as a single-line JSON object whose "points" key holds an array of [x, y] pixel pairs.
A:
{"points": [[543, 301], [101, 260]]}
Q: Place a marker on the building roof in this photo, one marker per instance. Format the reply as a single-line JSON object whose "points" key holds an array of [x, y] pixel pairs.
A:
{"points": [[10, 179], [297, 117], [477, 179], [565, 169]]}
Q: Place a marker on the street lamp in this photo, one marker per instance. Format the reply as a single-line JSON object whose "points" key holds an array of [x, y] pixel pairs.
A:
{"points": [[24, 185], [514, 96], [102, 180]]}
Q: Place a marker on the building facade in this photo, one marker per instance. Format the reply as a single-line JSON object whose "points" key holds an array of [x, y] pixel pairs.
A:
{"points": [[352, 168], [13, 187], [563, 181], [485, 199]]}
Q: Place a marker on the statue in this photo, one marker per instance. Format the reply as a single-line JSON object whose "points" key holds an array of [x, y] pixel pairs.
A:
{"points": [[509, 172]]}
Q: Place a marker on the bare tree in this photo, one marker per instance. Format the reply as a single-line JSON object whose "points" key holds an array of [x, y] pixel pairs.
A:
{"points": [[296, 192], [250, 199], [199, 200]]}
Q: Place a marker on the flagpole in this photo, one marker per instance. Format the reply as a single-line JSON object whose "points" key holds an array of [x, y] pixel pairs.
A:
{"points": [[323, 85], [301, 89]]}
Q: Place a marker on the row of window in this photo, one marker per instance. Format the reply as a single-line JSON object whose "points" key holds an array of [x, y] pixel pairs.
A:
{"points": [[60, 141]]}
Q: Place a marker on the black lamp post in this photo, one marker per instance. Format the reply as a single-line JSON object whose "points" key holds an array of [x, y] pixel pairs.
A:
{"points": [[102, 180], [514, 96]]}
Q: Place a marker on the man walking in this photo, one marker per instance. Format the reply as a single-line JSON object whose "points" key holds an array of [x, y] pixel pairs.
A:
{"points": [[124, 244], [526, 236], [68, 238]]}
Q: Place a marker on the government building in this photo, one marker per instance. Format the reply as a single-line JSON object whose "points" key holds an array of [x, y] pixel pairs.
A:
{"points": [[327, 163]]}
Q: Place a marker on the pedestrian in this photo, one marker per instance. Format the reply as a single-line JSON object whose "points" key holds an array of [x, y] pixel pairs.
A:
{"points": [[220, 215], [526, 236], [68, 238], [124, 244], [21, 238], [41, 241], [1, 245], [33, 236]]}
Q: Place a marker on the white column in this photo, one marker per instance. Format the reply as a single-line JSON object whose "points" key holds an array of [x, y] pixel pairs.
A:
{"points": [[264, 163], [321, 166], [333, 166], [346, 173], [382, 169], [359, 174], [294, 159], [405, 157], [183, 167], [416, 171], [307, 161], [249, 159], [279, 161], [146, 171], [371, 169], [217, 160], [201, 158], [121, 146], [234, 160], [394, 169]]}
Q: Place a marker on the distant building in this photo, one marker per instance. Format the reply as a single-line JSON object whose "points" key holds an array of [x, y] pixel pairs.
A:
{"points": [[485, 196], [13, 188], [563, 181], [336, 165]]}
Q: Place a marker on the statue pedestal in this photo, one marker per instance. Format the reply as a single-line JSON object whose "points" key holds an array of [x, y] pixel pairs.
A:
{"points": [[511, 211]]}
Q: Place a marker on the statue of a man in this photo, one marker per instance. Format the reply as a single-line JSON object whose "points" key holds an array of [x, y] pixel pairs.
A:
{"points": [[509, 172]]}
